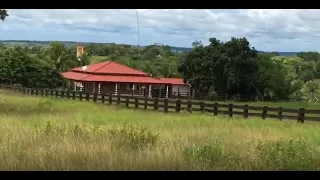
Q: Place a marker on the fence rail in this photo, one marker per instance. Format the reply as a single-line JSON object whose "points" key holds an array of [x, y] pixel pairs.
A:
{"points": [[178, 105]]}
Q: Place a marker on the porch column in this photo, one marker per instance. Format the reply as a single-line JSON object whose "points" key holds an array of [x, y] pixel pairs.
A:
{"points": [[150, 95], [75, 86], [94, 87], [116, 90], [133, 87], [99, 86], [167, 91]]}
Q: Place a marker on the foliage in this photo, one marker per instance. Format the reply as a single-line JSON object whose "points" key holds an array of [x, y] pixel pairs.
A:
{"points": [[227, 67], [3, 14], [232, 67], [286, 155], [17, 67], [271, 155], [133, 138]]}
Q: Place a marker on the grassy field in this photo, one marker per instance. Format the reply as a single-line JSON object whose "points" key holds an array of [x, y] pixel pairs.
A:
{"points": [[59, 134]]}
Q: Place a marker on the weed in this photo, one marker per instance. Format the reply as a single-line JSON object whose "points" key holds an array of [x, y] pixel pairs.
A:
{"points": [[132, 137], [43, 106], [287, 155], [212, 156]]}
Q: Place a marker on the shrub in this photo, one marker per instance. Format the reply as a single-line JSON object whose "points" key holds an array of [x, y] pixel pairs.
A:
{"points": [[212, 156], [132, 137], [43, 106], [287, 155]]}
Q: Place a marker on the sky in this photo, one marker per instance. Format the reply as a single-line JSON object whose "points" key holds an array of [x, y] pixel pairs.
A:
{"points": [[266, 30]]}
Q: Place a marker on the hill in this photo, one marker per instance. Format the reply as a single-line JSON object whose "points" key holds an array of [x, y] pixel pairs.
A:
{"points": [[74, 43]]}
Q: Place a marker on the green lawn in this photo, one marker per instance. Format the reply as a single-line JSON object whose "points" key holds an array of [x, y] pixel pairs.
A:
{"points": [[59, 134]]}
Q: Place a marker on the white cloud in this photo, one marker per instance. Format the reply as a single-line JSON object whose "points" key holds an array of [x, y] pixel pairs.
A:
{"points": [[270, 30]]}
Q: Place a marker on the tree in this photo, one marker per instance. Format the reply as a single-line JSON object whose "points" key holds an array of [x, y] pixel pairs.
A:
{"points": [[61, 58], [197, 44], [17, 67], [309, 56], [3, 14], [224, 67]]}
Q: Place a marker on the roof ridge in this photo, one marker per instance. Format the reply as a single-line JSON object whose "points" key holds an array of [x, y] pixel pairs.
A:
{"points": [[85, 76], [107, 63], [130, 67]]}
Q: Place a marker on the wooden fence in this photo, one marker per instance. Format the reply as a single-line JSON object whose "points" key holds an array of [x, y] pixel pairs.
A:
{"points": [[168, 105]]}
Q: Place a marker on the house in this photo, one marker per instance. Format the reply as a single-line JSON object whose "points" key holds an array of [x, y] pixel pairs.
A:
{"points": [[112, 77]]}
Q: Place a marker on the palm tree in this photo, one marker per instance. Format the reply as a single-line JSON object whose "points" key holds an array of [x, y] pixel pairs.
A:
{"points": [[3, 14], [61, 58]]}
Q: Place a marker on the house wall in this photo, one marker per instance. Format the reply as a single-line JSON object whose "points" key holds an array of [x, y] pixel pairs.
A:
{"points": [[183, 90]]}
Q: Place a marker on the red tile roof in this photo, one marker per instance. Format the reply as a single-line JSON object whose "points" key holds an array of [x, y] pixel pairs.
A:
{"points": [[111, 78], [174, 81], [109, 71], [111, 68]]}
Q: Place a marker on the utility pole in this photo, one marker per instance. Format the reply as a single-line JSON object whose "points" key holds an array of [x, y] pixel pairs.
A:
{"points": [[138, 32]]}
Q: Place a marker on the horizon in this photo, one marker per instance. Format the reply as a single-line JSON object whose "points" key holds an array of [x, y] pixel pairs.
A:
{"points": [[87, 42]]}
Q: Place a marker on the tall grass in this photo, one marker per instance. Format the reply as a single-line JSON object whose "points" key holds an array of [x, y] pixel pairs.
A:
{"points": [[57, 134]]}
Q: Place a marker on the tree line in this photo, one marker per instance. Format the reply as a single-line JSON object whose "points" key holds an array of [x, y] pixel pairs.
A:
{"points": [[234, 67]]}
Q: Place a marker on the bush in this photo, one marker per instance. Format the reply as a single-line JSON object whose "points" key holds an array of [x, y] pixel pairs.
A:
{"points": [[212, 156], [287, 155], [132, 137], [271, 155], [43, 106]]}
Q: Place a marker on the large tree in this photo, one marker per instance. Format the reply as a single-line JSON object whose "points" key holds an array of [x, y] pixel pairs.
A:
{"points": [[223, 67], [3, 14]]}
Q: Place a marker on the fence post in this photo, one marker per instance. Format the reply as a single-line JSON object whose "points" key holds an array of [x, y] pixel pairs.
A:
{"points": [[264, 112], [230, 110], [146, 102], [46, 92], [95, 97], [87, 96], [102, 98], [51, 92], [178, 105], [57, 93], [136, 102], [165, 103], [68, 94], [118, 98], [110, 98], [155, 104], [62, 94], [215, 109], [279, 113], [73, 95], [127, 101], [189, 106], [37, 92], [80, 95], [202, 106], [301, 113], [245, 111]]}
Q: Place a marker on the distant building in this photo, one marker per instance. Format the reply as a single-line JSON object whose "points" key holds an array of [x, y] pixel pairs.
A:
{"points": [[112, 77]]}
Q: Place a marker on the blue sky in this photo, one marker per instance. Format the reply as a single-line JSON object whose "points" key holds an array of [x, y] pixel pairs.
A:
{"points": [[267, 30]]}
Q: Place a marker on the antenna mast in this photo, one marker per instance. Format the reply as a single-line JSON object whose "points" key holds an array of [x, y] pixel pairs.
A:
{"points": [[138, 32]]}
